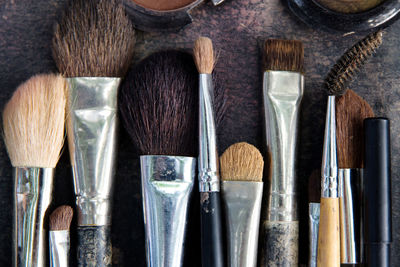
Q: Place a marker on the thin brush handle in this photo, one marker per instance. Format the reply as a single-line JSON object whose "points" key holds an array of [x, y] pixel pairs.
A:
{"points": [[94, 246], [328, 235], [211, 230]]}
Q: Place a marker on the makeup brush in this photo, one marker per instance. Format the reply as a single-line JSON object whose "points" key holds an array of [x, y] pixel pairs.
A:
{"points": [[351, 110], [93, 45], [209, 184], [336, 83], [283, 87], [33, 123], [241, 172], [158, 107], [314, 194], [59, 223]]}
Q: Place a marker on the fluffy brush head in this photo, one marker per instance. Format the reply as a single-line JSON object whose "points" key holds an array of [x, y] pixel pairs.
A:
{"points": [[33, 122], [61, 218], [204, 55], [241, 162], [94, 38], [351, 110], [348, 65], [158, 104], [283, 55]]}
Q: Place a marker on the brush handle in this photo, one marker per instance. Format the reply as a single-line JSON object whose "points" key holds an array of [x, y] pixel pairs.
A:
{"points": [[212, 254], [94, 246], [329, 234]]}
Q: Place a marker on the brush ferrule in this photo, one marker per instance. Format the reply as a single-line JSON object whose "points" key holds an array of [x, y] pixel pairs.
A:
{"points": [[167, 183], [208, 155], [92, 138], [59, 248], [242, 201], [313, 224], [329, 170], [283, 91], [32, 197]]}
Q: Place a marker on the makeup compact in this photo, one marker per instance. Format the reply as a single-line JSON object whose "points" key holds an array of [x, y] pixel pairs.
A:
{"points": [[346, 15]]}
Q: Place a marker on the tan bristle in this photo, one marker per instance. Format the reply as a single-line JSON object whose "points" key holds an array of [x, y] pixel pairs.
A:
{"points": [[351, 110], [204, 55], [283, 55], [33, 122], [241, 162], [61, 218]]}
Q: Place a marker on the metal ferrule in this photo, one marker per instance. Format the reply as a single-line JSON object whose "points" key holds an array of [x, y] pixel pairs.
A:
{"points": [[313, 224], [32, 197], [242, 202], [59, 248], [283, 91], [92, 138], [350, 208], [208, 155], [167, 183], [329, 170]]}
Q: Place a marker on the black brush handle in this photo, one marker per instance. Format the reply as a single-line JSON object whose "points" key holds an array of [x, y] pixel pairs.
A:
{"points": [[94, 246], [211, 230]]}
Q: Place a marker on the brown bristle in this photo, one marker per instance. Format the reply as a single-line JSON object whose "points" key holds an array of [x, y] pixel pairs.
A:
{"points": [[348, 65], [95, 38], [158, 104], [314, 187], [33, 122], [204, 55], [241, 162], [61, 218], [351, 110], [283, 55]]}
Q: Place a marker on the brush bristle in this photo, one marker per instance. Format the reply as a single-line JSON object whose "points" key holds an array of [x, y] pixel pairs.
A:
{"points": [[314, 187], [61, 218], [95, 38], [158, 104], [33, 122], [204, 55], [241, 162], [283, 55], [351, 110], [349, 64]]}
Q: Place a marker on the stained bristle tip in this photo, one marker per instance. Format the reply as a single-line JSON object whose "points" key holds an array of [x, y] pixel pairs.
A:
{"points": [[204, 55], [283, 55], [61, 218]]}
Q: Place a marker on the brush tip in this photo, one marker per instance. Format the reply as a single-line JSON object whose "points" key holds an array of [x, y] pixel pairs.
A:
{"points": [[61, 218], [283, 55], [204, 55]]}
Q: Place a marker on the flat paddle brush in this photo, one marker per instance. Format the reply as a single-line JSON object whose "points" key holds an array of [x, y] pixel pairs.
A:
{"points": [[33, 123], [93, 46], [158, 107]]}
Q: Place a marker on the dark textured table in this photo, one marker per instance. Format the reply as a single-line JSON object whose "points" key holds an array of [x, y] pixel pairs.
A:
{"points": [[237, 28]]}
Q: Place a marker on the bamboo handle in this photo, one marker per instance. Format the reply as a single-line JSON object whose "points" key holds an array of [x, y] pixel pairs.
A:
{"points": [[329, 234]]}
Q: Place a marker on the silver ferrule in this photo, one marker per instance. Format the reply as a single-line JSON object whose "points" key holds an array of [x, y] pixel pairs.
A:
{"points": [[92, 139], [208, 155], [167, 183], [282, 91], [242, 202], [32, 197], [329, 170], [350, 216], [217, 2], [313, 224], [59, 248]]}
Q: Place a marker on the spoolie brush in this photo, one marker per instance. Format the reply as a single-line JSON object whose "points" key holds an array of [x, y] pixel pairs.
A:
{"points": [[33, 123]]}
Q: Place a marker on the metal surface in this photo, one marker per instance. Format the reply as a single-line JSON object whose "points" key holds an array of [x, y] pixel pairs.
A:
{"points": [[59, 248], [208, 154], [32, 197], [313, 224], [217, 2], [329, 170], [92, 138], [282, 91], [242, 202], [167, 183]]}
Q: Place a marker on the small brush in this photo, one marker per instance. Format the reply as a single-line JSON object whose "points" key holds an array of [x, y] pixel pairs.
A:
{"points": [[59, 240], [314, 194], [209, 183], [33, 123], [93, 46], [241, 172]]}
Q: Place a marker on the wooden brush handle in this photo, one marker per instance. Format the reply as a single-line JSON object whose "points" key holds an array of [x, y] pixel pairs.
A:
{"points": [[94, 246], [329, 234]]}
